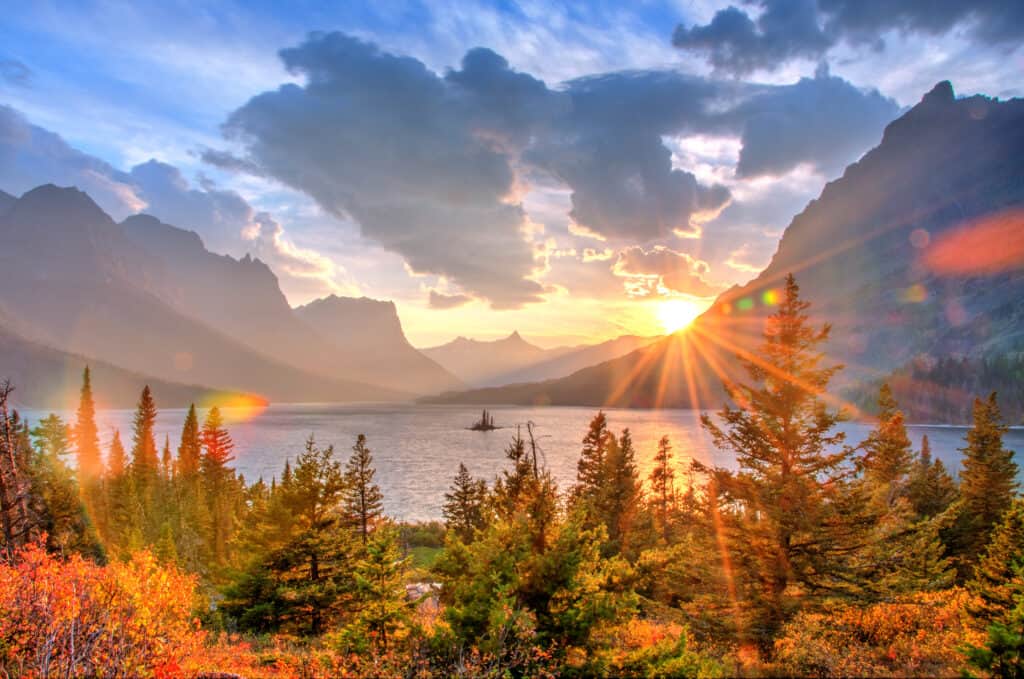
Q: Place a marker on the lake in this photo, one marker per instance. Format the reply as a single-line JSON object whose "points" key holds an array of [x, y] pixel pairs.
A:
{"points": [[417, 448]]}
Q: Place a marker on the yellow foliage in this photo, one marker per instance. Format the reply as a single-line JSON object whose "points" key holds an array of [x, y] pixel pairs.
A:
{"points": [[918, 636]]}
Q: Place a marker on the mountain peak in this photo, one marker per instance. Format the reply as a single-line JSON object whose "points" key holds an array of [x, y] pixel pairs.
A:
{"points": [[52, 203], [941, 94]]}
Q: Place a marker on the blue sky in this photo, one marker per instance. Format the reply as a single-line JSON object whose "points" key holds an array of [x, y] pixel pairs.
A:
{"points": [[602, 168]]}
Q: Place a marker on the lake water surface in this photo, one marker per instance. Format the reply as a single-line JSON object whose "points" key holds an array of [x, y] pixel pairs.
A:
{"points": [[417, 448]]}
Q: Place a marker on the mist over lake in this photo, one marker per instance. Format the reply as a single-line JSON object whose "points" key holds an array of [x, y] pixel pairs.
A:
{"points": [[417, 448]]}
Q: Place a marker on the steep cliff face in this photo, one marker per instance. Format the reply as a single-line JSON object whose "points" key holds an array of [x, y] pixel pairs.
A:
{"points": [[915, 254], [370, 342]]}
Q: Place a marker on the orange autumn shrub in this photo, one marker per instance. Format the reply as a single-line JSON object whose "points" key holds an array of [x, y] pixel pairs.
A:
{"points": [[920, 636], [70, 617]]}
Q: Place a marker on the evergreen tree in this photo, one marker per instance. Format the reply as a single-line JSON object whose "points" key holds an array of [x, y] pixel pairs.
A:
{"points": [[310, 570], [145, 461], [988, 484], [381, 606], [57, 504], [931, 489], [663, 491], [219, 484], [86, 435], [463, 509], [166, 460], [888, 453], [190, 449], [117, 459], [621, 496], [363, 501], [789, 518], [997, 583], [592, 466]]}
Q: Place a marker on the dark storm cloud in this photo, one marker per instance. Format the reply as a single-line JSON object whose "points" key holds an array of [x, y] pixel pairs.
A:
{"points": [[736, 42], [439, 300]]}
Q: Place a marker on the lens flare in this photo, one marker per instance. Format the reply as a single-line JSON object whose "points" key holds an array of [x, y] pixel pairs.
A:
{"points": [[235, 407]]}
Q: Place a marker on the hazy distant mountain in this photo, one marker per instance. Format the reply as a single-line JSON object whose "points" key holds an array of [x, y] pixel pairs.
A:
{"points": [[368, 335], [49, 378], [6, 202], [242, 298], [566, 361], [482, 362], [915, 254], [77, 282]]}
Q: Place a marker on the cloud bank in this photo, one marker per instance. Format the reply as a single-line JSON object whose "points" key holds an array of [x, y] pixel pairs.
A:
{"points": [[434, 167]]}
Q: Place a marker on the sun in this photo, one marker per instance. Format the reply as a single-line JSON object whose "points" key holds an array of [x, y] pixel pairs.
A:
{"points": [[676, 314]]}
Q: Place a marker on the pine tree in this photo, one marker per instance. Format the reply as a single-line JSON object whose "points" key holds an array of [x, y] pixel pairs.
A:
{"points": [[145, 461], [988, 484], [463, 509], [790, 520], [380, 598], [117, 459], [166, 460], [219, 486], [57, 504], [888, 453], [931, 489], [363, 501], [592, 466], [190, 449], [621, 496], [86, 435], [663, 491], [997, 583]]}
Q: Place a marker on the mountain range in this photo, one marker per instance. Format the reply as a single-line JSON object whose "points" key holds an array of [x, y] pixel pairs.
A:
{"points": [[482, 363], [915, 255], [145, 301]]}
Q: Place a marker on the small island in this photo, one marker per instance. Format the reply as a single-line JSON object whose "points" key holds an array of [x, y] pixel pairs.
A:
{"points": [[486, 423]]}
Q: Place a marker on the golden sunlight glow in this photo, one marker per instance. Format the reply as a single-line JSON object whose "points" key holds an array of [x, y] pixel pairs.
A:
{"points": [[676, 314]]}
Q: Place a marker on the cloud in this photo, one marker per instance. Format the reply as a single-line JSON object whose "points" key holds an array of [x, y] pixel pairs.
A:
{"points": [[660, 268], [384, 140], [227, 223], [31, 155], [15, 72], [735, 42], [824, 121], [219, 216], [441, 301]]}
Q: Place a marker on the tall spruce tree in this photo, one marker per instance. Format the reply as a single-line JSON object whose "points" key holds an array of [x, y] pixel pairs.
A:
{"points": [[988, 484], [86, 436], [621, 496], [931, 489], [363, 501], [592, 465], [219, 484], [463, 508], [663, 491], [888, 453], [787, 514], [190, 448], [145, 460]]}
